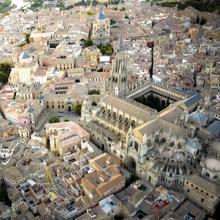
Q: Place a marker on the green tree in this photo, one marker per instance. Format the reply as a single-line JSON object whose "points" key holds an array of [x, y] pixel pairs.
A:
{"points": [[106, 49], [5, 6], [54, 119], [36, 4], [60, 4], [94, 92], [112, 21], [22, 44], [90, 13], [77, 108], [4, 195], [88, 42], [5, 69], [27, 37]]}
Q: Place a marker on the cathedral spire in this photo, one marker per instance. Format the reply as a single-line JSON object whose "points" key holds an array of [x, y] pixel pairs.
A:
{"points": [[119, 75], [120, 43]]}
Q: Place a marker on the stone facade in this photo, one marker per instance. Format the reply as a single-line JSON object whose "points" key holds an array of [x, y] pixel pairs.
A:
{"points": [[101, 29]]}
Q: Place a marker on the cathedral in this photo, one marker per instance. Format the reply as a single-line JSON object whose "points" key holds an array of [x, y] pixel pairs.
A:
{"points": [[128, 129]]}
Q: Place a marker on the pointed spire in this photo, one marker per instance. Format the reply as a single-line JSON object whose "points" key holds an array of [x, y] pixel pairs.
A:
{"points": [[145, 138], [101, 14], [120, 43], [30, 108], [170, 132], [130, 130]]}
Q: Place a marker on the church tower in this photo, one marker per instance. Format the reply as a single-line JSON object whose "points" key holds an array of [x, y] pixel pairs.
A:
{"points": [[101, 29], [119, 76]]}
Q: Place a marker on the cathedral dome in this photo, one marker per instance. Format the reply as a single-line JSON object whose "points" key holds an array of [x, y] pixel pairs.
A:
{"points": [[25, 57], [30, 109], [101, 15]]}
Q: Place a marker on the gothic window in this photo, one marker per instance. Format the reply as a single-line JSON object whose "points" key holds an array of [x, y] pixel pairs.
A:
{"points": [[103, 110], [131, 144], [126, 121], [109, 113], [171, 143], [133, 123], [136, 146], [120, 118], [156, 138], [149, 143], [114, 115]]}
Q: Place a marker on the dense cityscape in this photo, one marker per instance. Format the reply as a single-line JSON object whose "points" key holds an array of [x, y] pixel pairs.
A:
{"points": [[109, 109]]}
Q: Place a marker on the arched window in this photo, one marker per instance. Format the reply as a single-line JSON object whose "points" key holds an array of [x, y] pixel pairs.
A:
{"points": [[109, 113], [149, 143], [114, 116], [156, 138], [126, 121], [120, 118], [103, 110], [133, 123]]}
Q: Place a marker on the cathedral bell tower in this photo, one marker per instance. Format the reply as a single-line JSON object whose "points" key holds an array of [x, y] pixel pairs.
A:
{"points": [[119, 76]]}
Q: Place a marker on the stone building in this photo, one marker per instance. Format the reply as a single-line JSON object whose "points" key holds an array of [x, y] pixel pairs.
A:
{"points": [[28, 92], [25, 113], [101, 29], [65, 136], [90, 58], [59, 63], [63, 97], [204, 193], [114, 120], [157, 146], [24, 70], [105, 179]]}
